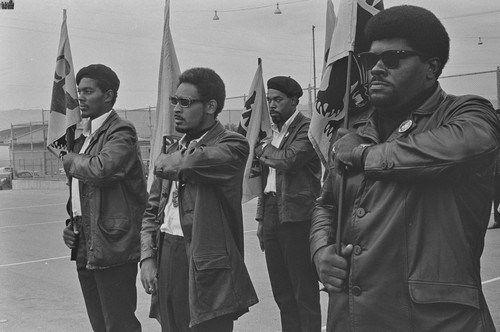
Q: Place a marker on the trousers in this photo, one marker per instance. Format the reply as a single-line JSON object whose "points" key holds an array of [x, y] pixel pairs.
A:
{"points": [[295, 289], [173, 290], [111, 298]]}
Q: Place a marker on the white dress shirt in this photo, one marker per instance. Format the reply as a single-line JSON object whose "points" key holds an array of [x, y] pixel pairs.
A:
{"points": [[172, 218], [278, 136], [89, 129]]}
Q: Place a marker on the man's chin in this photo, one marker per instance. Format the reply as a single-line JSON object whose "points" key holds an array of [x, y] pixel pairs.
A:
{"points": [[275, 119], [181, 129], [380, 101]]}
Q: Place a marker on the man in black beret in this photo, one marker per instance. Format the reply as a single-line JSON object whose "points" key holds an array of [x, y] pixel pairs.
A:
{"points": [[108, 199], [291, 178]]}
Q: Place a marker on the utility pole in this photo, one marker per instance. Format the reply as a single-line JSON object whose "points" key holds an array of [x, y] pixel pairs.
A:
{"points": [[310, 100], [150, 124], [498, 87], [44, 146], [314, 64]]}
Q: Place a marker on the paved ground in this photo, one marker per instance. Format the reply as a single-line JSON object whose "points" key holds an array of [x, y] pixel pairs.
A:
{"points": [[39, 290]]}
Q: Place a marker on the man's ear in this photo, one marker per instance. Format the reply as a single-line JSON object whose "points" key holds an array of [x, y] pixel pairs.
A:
{"points": [[108, 96], [211, 106], [434, 66]]}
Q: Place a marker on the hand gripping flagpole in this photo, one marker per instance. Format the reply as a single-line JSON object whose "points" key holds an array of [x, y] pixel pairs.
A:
{"points": [[343, 177]]}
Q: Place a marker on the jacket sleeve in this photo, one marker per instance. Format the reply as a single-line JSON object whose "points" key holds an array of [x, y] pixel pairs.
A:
{"points": [[295, 156], [112, 163], [151, 222], [467, 139], [206, 164], [324, 218]]}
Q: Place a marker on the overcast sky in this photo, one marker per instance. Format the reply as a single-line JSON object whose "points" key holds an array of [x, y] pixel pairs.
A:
{"points": [[126, 35]]}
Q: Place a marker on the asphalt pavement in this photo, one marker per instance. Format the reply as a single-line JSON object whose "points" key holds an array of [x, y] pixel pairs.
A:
{"points": [[39, 289]]}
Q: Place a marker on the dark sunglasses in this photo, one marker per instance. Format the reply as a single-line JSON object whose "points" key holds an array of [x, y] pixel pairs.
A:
{"points": [[184, 102], [390, 59]]}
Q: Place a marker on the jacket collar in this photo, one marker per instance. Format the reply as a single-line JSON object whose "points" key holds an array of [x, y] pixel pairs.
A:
{"points": [[432, 103], [112, 116], [296, 121], [427, 108], [291, 128], [210, 135]]}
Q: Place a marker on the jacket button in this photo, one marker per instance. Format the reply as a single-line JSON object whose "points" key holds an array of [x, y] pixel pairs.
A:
{"points": [[390, 164], [356, 291], [357, 250], [384, 165], [360, 212]]}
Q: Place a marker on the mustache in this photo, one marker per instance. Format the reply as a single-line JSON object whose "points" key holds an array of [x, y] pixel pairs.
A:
{"points": [[375, 79]]}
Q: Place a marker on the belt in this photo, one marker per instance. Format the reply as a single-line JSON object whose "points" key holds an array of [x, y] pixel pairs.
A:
{"points": [[270, 193]]}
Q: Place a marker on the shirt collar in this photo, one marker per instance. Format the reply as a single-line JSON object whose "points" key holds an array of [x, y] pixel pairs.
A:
{"points": [[91, 126], [183, 144], [287, 123]]}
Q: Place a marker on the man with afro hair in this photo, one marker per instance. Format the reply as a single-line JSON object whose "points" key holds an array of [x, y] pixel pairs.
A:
{"points": [[418, 178]]}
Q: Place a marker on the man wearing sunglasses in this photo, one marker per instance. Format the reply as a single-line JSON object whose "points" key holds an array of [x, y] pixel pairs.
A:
{"points": [[418, 187], [192, 230]]}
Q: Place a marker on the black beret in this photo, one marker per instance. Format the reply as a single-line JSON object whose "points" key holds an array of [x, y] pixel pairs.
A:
{"points": [[99, 72], [285, 84]]}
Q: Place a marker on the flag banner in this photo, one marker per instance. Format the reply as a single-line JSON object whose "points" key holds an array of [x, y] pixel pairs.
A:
{"points": [[164, 132], [331, 20], [255, 124], [348, 37], [64, 108]]}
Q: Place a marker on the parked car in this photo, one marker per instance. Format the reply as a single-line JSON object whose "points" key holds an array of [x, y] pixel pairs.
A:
{"points": [[5, 181], [5, 170], [26, 174]]}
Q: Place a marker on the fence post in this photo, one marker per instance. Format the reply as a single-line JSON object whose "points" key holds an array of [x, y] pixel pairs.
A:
{"points": [[12, 157]]}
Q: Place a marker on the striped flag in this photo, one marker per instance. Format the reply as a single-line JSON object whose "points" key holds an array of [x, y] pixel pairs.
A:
{"points": [[255, 124], [64, 108], [347, 38], [164, 132]]}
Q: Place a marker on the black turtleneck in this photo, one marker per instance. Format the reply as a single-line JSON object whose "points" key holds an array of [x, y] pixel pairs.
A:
{"points": [[388, 121]]}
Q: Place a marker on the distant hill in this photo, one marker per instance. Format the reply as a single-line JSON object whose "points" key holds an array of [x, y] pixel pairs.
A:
{"points": [[18, 116]]}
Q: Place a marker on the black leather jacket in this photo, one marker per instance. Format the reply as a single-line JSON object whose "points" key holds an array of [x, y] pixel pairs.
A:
{"points": [[210, 192], [417, 217], [112, 192], [298, 173]]}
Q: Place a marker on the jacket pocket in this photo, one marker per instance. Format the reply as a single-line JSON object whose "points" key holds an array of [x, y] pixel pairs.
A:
{"points": [[115, 242], [210, 262], [425, 293], [114, 227], [213, 284]]}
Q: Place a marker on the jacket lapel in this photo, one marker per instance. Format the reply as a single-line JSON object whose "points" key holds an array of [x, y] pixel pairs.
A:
{"points": [[216, 130], [94, 137], [291, 129]]}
